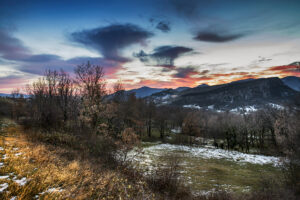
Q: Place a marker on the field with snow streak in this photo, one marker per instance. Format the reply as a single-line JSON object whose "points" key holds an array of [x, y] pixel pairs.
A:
{"points": [[207, 168]]}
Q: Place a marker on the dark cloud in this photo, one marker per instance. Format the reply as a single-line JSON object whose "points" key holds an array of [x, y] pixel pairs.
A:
{"points": [[211, 36], [163, 56], [12, 49], [163, 26], [110, 40], [204, 72], [185, 72], [41, 58], [109, 66]]}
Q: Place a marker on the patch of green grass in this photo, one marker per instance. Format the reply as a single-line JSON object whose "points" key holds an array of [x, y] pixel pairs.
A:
{"points": [[206, 174], [210, 174]]}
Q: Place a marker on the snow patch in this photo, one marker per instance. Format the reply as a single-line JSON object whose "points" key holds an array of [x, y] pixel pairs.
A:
{"points": [[3, 187], [246, 109], [276, 106], [21, 181], [1, 149], [50, 190], [4, 177], [209, 152], [192, 106], [176, 130]]}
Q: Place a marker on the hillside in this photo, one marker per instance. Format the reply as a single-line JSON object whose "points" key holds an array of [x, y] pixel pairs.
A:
{"points": [[257, 92], [292, 82]]}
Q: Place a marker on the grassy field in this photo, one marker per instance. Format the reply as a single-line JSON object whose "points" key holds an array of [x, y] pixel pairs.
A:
{"points": [[37, 170], [33, 170], [207, 175]]}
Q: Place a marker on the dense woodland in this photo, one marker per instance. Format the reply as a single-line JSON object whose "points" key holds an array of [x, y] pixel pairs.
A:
{"points": [[83, 106]]}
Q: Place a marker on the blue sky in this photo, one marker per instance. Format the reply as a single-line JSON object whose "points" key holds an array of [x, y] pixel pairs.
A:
{"points": [[158, 43]]}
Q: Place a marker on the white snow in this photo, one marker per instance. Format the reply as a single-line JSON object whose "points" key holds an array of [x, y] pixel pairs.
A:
{"points": [[1, 164], [192, 106], [18, 154], [4, 177], [4, 156], [246, 109], [209, 152], [50, 190], [211, 107], [15, 149], [3, 187], [1, 149], [166, 97], [276, 106], [13, 198], [176, 130], [21, 181]]}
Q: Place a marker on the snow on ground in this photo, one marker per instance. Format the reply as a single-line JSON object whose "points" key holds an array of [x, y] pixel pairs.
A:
{"points": [[192, 106], [1, 164], [1, 149], [18, 154], [276, 106], [176, 130], [21, 181], [3, 187], [4, 177], [208, 152], [50, 190], [246, 109]]}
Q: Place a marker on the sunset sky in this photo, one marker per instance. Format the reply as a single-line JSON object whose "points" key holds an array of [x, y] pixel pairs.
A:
{"points": [[155, 43]]}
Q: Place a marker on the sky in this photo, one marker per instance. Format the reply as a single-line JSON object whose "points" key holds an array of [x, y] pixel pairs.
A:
{"points": [[155, 43]]}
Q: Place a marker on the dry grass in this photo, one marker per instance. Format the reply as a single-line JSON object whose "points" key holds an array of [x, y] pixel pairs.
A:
{"points": [[73, 174]]}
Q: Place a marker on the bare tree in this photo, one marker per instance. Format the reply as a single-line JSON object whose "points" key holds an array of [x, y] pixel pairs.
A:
{"points": [[93, 89]]}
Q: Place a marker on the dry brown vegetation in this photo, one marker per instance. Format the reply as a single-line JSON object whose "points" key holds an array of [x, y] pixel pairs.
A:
{"points": [[76, 173]]}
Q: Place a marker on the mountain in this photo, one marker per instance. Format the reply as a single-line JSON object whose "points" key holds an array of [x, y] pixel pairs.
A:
{"points": [[253, 92], [202, 85], [292, 82], [295, 64], [144, 91], [180, 89], [9, 95], [4, 95]]}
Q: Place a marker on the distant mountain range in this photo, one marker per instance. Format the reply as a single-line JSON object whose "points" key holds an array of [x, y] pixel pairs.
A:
{"points": [[237, 94], [144, 91], [9, 95], [243, 93]]}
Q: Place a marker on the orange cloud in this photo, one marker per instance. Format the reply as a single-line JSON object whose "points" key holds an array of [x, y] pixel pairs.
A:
{"points": [[285, 70]]}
